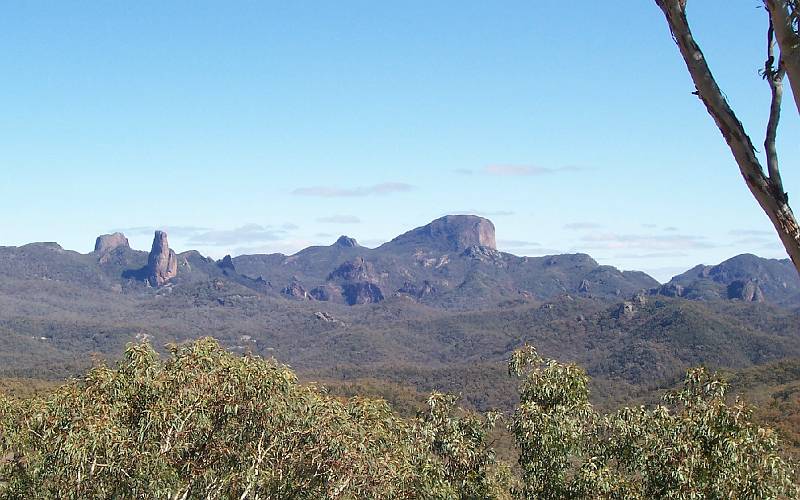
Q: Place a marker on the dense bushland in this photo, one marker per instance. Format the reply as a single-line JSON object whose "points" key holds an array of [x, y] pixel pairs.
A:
{"points": [[205, 423]]}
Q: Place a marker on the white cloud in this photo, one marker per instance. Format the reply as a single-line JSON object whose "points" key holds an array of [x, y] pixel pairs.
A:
{"points": [[339, 219], [526, 170], [582, 225], [663, 242], [338, 192]]}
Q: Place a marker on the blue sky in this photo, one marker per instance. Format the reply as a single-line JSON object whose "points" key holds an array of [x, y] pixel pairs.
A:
{"points": [[245, 127]]}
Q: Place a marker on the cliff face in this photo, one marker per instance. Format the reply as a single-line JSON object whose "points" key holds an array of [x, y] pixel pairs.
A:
{"points": [[162, 264], [106, 243], [451, 233]]}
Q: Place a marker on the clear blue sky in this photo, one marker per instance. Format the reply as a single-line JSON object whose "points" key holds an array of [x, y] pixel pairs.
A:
{"points": [[246, 127]]}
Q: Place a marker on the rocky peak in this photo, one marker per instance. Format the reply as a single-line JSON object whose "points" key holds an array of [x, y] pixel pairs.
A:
{"points": [[746, 291], [226, 264], [105, 243], [361, 293], [346, 242], [296, 290], [162, 263], [357, 269], [452, 233]]}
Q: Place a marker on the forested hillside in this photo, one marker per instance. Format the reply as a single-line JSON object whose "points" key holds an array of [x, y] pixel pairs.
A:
{"points": [[204, 422]]}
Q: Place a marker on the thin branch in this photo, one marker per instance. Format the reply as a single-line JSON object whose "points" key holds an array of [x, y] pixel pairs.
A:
{"points": [[774, 77], [762, 187], [784, 15]]}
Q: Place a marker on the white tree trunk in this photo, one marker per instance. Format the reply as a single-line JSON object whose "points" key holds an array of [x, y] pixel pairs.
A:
{"points": [[788, 41], [767, 191]]}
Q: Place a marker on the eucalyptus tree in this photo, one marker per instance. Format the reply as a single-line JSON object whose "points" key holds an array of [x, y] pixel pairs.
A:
{"points": [[766, 186]]}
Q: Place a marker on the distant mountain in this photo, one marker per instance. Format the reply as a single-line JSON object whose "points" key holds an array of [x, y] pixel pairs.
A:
{"points": [[745, 277], [452, 262], [437, 307]]}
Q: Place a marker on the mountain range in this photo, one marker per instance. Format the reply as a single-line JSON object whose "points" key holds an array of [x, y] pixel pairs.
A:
{"points": [[438, 307]]}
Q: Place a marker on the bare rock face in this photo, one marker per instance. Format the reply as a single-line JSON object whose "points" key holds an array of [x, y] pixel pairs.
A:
{"points": [[361, 293], [452, 233], [226, 264], [346, 242], [296, 290], [624, 310], [746, 291], [107, 243], [484, 254], [418, 291], [162, 264], [357, 269], [669, 290], [328, 292]]}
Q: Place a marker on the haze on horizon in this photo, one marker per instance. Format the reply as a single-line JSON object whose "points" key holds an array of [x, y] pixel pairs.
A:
{"points": [[270, 127]]}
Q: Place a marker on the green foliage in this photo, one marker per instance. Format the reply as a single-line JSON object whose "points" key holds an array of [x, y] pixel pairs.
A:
{"points": [[205, 423], [694, 446], [461, 445]]}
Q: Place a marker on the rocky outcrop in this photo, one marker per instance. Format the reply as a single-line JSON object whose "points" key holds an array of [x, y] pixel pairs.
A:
{"points": [[162, 264], [484, 254], [418, 291], [106, 243], [110, 248], [451, 233], [624, 310], [357, 269], [296, 291], [346, 242], [746, 291], [669, 290], [226, 264], [744, 277], [327, 293], [361, 293]]}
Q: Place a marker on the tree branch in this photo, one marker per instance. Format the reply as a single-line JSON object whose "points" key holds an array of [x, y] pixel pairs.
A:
{"points": [[776, 207], [773, 76], [783, 14]]}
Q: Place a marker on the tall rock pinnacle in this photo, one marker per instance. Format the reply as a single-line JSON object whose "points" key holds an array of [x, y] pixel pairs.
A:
{"points": [[162, 264]]}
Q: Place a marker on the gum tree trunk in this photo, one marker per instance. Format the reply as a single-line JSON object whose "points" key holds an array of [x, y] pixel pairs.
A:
{"points": [[768, 191]]}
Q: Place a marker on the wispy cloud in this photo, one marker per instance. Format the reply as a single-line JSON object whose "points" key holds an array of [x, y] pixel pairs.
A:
{"points": [[671, 229], [338, 192], [662, 242], [463, 171], [582, 225], [750, 232], [526, 170], [286, 247], [484, 213], [651, 255], [536, 252], [517, 244], [176, 231], [247, 234], [339, 219]]}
